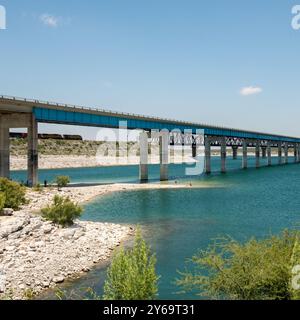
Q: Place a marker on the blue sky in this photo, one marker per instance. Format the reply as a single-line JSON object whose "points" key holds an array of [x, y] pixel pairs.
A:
{"points": [[186, 60]]}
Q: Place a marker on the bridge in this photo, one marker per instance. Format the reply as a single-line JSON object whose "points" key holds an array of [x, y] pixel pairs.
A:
{"points": [[27, 113]]}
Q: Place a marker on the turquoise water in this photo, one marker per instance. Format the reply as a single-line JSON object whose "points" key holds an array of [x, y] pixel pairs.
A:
{"points": [[177, 223], [121, 174]]}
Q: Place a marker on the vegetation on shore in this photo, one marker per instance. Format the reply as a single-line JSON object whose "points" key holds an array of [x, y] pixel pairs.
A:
{"points": [[132, 275], [62, 181], [255, 270], [12, 194], [62, 211]]}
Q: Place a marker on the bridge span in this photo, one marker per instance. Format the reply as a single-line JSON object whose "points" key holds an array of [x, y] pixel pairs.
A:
{"points": [[27, 113]]}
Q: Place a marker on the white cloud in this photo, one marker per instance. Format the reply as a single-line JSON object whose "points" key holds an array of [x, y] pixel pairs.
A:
{"points": [[248, 91], [49, 20]]}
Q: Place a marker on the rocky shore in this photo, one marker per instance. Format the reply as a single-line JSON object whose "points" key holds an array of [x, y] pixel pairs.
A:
{"points": [[36, 254]]}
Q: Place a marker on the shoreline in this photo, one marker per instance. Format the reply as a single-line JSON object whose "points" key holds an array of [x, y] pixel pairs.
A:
{"points": [[46, 162], [19, 163], [36, 255]]}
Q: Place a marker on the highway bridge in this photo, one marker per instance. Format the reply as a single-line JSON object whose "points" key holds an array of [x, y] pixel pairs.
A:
{"points": [[27, 113]]}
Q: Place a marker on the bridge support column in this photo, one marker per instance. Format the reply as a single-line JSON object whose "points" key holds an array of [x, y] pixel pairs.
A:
{"points": [[207, 156], [264, 152], [234, 152], [143, 157], [279, 153], [4, 149], [257, 154], [223, 155], [194, 150], [269, 152], [286, 153], [296, 152], [164, 155], [245, 155], [32, 138]]}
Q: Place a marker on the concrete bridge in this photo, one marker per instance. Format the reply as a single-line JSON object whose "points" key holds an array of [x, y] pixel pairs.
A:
{"points": [[26, 113]]}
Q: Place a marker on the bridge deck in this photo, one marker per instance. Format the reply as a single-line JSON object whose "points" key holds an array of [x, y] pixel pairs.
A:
{"points": [[48, 112]]}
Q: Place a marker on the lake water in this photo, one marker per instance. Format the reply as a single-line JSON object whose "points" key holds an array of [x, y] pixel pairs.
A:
{"points": [[177, 223]]}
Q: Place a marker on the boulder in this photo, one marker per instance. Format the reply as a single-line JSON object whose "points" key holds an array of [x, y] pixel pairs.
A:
{"points": [[7, 212], [58, 279]]}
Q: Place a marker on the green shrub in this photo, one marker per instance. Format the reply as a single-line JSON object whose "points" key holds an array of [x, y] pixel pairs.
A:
{"points": [[14, 193], [62, 181], [2, 201], [63, 211], [38, 188], [132, 275], [256, 270]]}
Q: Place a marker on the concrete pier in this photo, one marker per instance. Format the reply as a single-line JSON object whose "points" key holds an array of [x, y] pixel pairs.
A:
{"points": [[223, 155], [207, 156], [286, 153], [143, 157], [32, 138], [269, 152], [164, 155], [257, 154], [279, 153], [194, 150], [264, 152], [4, 148], [245, 155], [235, 152]]}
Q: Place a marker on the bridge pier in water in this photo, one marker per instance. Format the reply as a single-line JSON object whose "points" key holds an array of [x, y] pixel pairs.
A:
{"points": [[286, 153], [279, 153], [207, 155], [269, 152], [245, 154], [264, 152], [164, 155], [143, 172], [257, 154], [223, 155], [235, 152]]}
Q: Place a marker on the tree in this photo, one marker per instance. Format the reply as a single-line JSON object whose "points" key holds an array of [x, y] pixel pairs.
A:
{"points": [[62, 181], [13, 192], [63, 211], [131, 275], [256, 270]]}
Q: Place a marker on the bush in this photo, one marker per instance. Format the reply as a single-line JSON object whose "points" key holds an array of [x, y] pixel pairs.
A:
{"points": [[62, 181], [38, 188], [256, 270], [132, 275], [63, 211], [2, 201], [14, 193]]}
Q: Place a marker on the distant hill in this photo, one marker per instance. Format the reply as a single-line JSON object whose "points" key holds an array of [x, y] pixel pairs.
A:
{"points": [[18, 147]]}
